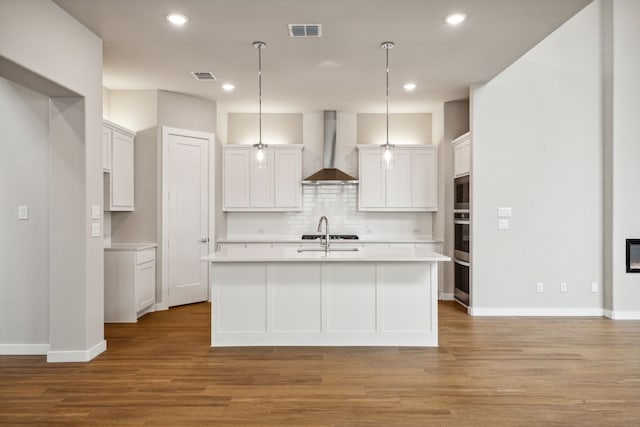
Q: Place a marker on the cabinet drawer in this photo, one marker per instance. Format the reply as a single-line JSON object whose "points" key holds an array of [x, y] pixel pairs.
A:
{"points": [[145, 256]]}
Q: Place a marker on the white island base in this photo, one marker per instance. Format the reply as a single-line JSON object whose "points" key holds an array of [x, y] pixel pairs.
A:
{"points": [[347, 299]]}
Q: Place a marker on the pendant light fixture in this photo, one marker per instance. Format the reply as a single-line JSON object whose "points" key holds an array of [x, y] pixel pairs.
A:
{"points": [[387, 148], [261, 155]]}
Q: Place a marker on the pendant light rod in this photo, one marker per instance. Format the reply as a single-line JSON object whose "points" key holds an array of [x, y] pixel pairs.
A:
{"points": [[259, 45], [387, 46]]}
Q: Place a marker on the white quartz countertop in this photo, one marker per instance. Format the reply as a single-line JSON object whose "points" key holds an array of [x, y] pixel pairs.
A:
{"points": [[129, 246], [365, 239], [268, 254]]}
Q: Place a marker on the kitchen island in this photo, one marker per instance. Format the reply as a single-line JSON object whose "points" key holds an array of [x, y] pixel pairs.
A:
{"points": [[287, 297]]}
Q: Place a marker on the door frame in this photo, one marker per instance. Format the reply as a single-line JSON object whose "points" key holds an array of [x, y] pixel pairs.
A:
{"points": [[165, 132]]}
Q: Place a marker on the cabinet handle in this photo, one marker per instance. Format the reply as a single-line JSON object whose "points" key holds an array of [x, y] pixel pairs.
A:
{"points": [[204, 240]]}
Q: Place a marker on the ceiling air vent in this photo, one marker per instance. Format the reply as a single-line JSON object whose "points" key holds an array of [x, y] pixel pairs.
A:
{"points": [[305, 30], [204, 75]]}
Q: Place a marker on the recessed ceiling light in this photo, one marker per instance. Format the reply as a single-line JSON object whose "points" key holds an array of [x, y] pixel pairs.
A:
{"points": [[455, 18], [409, 86], [228, 87], [177, 19]]}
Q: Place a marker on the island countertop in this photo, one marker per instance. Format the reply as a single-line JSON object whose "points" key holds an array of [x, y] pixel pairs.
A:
{"points": [[287, 254]]}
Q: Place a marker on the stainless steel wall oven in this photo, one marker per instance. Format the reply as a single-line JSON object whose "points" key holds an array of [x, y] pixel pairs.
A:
{"points": [[461, 192]]}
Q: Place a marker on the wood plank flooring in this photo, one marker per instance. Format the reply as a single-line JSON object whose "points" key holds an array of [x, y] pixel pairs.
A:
{"points": [[487, 371]]}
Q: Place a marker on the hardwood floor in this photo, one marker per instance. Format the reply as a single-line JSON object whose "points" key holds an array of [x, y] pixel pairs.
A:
{"points": [[487, 371]]}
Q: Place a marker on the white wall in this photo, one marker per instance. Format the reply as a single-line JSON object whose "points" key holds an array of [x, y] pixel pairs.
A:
{"points": [[622, 144], [24, 246], [403, 128], [42, 38], [186, 112], [244, 128], [133, 109], [537, 147]]}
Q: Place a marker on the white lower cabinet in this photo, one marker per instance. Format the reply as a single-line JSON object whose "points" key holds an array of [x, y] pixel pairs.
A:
{"points": [[129, 284]]}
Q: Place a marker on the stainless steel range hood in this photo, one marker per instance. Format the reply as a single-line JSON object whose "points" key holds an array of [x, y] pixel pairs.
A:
{"points": [[329, 174]]}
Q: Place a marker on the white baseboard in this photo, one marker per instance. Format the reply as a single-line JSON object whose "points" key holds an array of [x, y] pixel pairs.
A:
{"points": [[537, 312], [77, 355], [24, 349], [161, 306], [622, 315], [446, 297]]}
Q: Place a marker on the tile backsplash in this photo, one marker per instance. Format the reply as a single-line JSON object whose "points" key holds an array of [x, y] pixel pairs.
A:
{"points": [[339, 203]]}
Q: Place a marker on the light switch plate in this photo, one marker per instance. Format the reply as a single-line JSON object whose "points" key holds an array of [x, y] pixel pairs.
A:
{"points": [[504, 212], [95, 211], [23, 212], [503, 224], [95, 229]]}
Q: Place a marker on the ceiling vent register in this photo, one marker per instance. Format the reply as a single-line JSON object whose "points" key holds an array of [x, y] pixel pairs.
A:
{"points": [[204, 76], [305, 30]]}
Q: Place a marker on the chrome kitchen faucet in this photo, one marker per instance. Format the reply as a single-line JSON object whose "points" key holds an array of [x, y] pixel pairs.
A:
{"points": [[326, 231]]}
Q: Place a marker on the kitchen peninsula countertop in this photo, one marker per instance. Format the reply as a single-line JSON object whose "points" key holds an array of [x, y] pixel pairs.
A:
{"points": [[129, 246]]}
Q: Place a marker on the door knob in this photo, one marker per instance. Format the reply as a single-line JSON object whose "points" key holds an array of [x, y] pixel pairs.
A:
{"points": [[204, 240]]}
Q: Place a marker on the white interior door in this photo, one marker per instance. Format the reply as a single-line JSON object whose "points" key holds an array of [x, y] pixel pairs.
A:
{"points": [[188, 218]]}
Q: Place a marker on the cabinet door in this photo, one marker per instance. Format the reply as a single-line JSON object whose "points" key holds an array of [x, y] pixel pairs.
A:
{"points": [[287, 179], [462, 158], [122, 172], [145, 283], [261, 181], [398, 193], [106, 149], [372, 180], [236, 178], [424, 179]]}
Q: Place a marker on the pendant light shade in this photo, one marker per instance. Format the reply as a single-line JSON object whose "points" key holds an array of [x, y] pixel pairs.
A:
{"points": [[260, 148], [387, 148]]}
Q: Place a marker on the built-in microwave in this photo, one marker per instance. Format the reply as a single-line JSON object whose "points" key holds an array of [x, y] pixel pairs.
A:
{"points": [[461, 195]]}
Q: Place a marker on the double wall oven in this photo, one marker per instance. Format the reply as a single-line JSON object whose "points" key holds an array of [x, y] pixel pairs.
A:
{"points": [[461, 225]]}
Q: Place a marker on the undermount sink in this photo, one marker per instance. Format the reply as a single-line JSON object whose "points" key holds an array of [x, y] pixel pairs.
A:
{"points": [[330, 250]]}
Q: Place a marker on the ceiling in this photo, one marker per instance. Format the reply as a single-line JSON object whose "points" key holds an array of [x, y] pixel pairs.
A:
{"points": [[342, 70]]}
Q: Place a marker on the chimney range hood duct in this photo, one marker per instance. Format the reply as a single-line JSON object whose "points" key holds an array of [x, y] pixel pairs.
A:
{"points": [[329, 174]]}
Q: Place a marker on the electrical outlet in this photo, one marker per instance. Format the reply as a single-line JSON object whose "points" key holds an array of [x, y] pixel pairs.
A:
{"points": [[539, 287], [594, 286], [23, 212], [503, 224], [563, 287]]}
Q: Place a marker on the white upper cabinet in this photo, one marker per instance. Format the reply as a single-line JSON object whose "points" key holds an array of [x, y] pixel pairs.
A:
{"points": [[461, 155], [287, 180], [410, 185], [372, 186], [118, 149], [276, 187], [424, 179]]}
